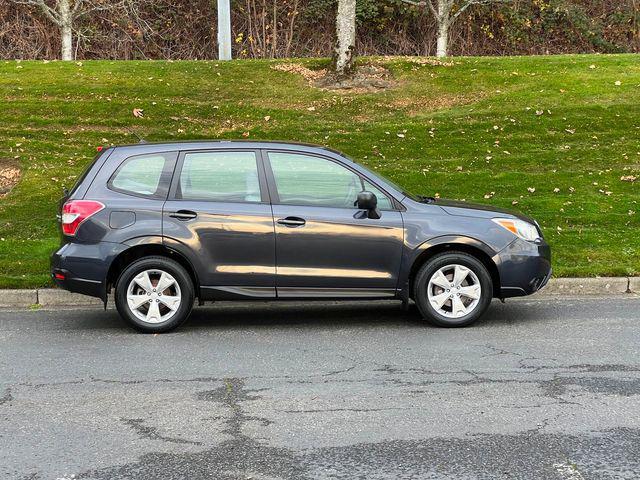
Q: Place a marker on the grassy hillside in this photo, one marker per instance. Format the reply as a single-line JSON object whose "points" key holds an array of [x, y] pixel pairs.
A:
{"points": [[484, 129]]}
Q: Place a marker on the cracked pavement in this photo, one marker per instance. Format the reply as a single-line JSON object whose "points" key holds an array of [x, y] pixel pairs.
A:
{"points": [[544, 388]]}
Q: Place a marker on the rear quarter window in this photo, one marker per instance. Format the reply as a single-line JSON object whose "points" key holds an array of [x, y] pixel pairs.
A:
{"points": [[144, 175]]}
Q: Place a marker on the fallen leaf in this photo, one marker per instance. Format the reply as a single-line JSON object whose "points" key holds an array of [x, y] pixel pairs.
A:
{"points": [[138, 112], [531, 189]]}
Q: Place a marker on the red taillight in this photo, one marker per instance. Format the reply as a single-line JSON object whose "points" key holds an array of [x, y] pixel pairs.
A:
{"points": [[59, 276], [74, 212]]}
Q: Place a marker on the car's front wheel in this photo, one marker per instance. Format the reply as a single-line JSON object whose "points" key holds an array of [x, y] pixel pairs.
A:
{"points": [[154, 294], [453, 289]]}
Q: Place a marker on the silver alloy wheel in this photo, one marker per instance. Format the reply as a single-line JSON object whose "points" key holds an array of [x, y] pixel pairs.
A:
{"points": [[454, 291], [153, 296]]}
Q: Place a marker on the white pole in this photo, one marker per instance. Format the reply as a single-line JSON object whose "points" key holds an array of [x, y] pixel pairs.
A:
{"points": [[224, 30]]}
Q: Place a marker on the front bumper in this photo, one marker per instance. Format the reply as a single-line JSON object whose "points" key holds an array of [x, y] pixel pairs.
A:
{"points": [[83, 268], [524, 268]]}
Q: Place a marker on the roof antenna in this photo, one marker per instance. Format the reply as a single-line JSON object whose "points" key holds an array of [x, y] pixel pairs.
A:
{"points": [[140, 139]]}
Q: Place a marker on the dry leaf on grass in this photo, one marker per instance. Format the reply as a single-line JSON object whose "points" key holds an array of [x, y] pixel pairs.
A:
{"points": [[367, 78], [305, 72], [9, 176]]}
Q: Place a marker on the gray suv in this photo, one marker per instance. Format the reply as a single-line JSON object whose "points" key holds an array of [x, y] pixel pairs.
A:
{"points": [[161, 225]]}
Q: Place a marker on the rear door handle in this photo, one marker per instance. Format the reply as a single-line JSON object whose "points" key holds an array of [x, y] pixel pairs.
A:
{"points": [[183, 215], [292, 222]]}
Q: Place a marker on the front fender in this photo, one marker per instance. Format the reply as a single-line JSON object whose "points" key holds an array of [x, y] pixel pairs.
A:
{"points": [[413, 255]]}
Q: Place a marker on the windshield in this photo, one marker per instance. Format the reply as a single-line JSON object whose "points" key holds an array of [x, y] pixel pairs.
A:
{"points": [[404, 191]]}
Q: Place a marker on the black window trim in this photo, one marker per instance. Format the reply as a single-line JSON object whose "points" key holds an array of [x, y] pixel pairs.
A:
{"points": [[273, 189], [262, 181], [163, 183]]}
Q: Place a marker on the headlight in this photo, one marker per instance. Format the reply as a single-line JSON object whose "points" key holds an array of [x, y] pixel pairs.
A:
{"points": [[519, 228]]}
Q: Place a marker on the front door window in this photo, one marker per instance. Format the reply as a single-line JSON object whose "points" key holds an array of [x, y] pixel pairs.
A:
{"points": [[307, 180]]}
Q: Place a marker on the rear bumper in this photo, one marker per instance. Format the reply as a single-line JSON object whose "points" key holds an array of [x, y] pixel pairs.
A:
{"points": [[83, 268], [524, 268]]}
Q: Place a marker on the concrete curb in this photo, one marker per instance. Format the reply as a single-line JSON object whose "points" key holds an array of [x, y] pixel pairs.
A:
{"points": [[18, 298], [53, 297], [589, 286]]}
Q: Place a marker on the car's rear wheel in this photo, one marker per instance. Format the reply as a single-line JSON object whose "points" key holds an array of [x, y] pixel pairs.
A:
{"points": [[154, 294], [453, 289]]}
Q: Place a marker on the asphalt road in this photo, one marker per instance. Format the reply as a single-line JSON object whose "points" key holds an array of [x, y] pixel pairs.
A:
{"points": [[541, 388]]}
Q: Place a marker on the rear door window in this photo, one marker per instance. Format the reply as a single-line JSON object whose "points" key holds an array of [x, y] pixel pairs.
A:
{"points": [[218, 176], [144, 175]]}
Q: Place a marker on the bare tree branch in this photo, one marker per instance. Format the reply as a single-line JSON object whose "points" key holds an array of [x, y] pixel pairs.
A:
{"points": [[445, 19], [78, 12], [422, 3], [48, 11], [474, 2], [76, 7], [64, 14]]}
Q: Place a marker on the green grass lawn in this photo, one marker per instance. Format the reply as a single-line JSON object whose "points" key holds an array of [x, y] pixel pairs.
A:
{"points": [[485, 129]]}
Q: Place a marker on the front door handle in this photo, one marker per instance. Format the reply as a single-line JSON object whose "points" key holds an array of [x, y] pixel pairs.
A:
{"points": [[183, 215], [292, 222]]}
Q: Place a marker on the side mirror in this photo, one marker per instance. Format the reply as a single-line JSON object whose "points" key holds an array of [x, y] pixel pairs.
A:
{"points": [[368, 201]]}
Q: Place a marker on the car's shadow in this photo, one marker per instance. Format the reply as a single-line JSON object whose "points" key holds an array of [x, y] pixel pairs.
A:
{"points": [[319, 314], [341, 314], [302, 314]]}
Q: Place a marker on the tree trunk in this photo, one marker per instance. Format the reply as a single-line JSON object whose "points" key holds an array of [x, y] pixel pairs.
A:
{"points": [[344, 55], [66, 34], [443, 38]]}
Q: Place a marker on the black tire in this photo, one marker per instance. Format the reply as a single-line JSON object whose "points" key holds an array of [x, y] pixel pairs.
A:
{"points": [[421, 283], [181, 277]]}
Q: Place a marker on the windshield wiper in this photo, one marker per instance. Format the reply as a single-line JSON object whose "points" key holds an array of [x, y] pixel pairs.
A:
{"points": [[426, 199]]}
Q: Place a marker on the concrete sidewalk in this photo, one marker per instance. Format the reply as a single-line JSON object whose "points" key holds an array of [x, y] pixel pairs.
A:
{"points": [[53, 297]]}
